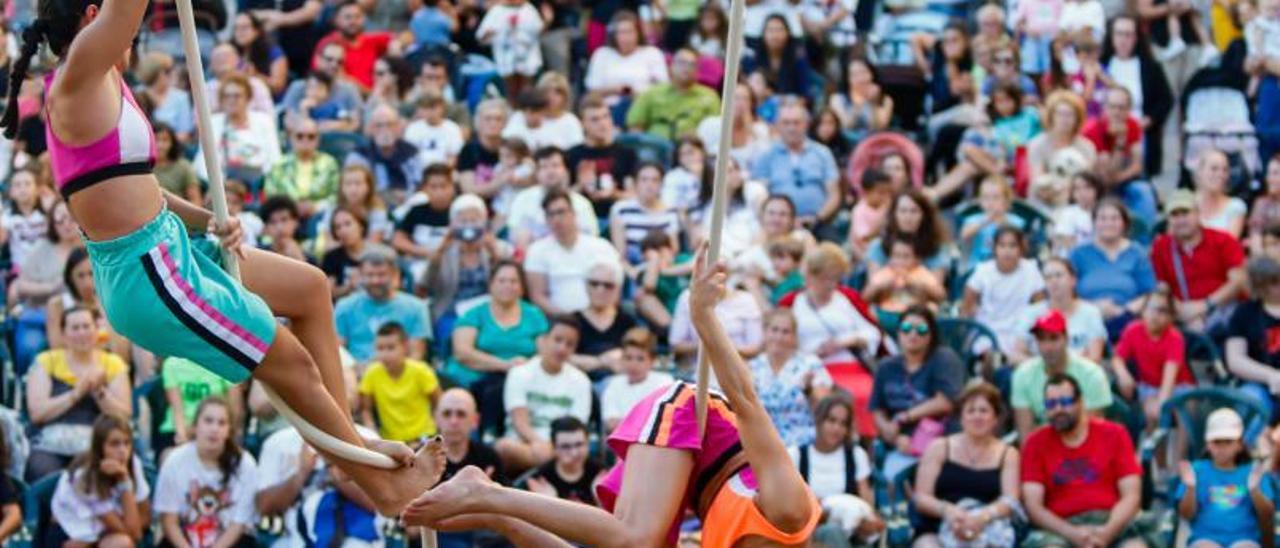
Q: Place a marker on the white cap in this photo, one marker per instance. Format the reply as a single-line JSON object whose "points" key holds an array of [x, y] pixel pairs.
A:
{"points": [[1223, 424]]}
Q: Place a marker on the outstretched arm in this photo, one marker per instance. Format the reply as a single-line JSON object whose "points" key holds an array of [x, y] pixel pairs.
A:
{"points": [[102, 43]]}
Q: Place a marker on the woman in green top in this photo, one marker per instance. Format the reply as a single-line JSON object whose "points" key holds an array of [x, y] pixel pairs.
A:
{"points": [[172, 168], [493, 337]]}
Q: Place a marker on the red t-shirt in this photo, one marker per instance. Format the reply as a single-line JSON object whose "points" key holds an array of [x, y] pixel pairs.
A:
{"points": [[1151, 354], [1205, 267], [1080, 479], [362, 53], [1097, 131]]}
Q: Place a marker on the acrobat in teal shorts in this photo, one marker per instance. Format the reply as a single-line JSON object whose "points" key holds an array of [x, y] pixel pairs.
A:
{"points": [[169, 294]]}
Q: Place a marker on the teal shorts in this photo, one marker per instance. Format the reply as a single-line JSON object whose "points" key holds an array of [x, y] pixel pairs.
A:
{"points": [[168, 293]]}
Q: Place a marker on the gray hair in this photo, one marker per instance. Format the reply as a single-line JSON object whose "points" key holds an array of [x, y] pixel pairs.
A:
{"points": [[615, 270], [499, 105], [1263, 273]]}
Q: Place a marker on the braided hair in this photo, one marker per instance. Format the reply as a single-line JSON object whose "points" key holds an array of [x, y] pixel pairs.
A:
{"points": [[57, 24]]}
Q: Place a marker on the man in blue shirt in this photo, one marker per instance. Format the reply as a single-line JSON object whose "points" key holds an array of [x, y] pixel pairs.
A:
{"points": [[800, 168], [359, 315]]}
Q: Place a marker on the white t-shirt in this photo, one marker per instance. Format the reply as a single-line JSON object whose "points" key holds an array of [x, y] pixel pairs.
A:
{"points": [[826, 470], [1262, 37], [79, 513], [24, 231], [1084, 326], [514, 32], [563, 133], [1074, 222], [566, 268], [195, 492], [1128, 73], [620, 395], [1083, 14], [756, 15], [546, 396], [436, 144], [644, 68], [836, 319], [1004, 296], [1235, 209], [525, 213]]}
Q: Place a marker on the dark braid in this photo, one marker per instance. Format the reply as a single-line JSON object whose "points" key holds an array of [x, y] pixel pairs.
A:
{"points": [[32, 38], [58, 23]]}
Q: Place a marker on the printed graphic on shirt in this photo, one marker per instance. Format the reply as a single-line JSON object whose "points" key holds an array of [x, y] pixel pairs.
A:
{"points": [[201, 524], [1226, 496], [1075, 471]]}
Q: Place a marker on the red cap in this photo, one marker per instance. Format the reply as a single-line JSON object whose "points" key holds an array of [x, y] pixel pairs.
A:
{"points": [[1051, 321]]}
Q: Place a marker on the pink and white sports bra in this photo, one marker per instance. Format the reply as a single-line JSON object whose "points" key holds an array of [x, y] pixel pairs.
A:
{"points": [[129, 149]]}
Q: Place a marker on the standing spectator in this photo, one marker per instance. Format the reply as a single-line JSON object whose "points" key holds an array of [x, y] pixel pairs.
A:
{"points": [[1001, 287], [788, 383], [1250, 354], [512, 27], [799, 168], [247, 141], [479, 157], [1117, 135], [362, 48], [1081, 481], [394, 161], [102, 498], [398, 390], [1114, 271], [602, 169], [915, 392], [172, 169], [1219, 519], [673, 110], [328, 61], [1152, 350], [571, 474], [603, 322], [631, 220], [1129, 63], [305, 174], [836, 467], [1219, 210], [170, 104], [538, 392], [635, 378], [627, 66], [1088, 332], [967, 483], [358, 316], [205, 493], [1204, 266], [1027, 393], [527, 221], [559, 262]]}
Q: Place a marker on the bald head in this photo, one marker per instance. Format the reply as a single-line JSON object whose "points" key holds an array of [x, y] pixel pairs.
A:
{"points": [[456, 415]]}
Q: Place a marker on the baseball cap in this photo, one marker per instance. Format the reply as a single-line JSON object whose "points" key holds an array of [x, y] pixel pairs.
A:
{"points": [[1051, 321], [1224, 424], [1181, 199]]}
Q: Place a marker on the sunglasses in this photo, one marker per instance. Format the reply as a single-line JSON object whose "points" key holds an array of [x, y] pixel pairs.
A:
{"points": [[598, 284], [921, 328], [1064, 402]]}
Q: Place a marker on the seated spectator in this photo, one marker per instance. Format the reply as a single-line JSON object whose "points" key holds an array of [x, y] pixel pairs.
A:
{"points": [[225, 64], [1131, 63], [540, 391], [40, 280], [967, 483], [1006, 68], [1266, 206], [479, 157], [1249, 354], [788, 383], [171, 105], [398, 390], [626, 67], [862, 107], [914, 392], [340, 495], [868, 217], [662, 276], [173, 171], [903, 282], [738, 312], [1027, 390], [305, 174], [635, 378], [1073, 222], [989, 146], [103, 499], [673, 110], [24, 220], [1114, 272], [360, 314], [787, 256], [1219, 210], [363, 48], [632, 219], [348, 232], [289, 472], [262, 57], [778, 58], [750, 133], [423, 228], [393, 81], [186, 384], [458, 420], [281, 216], [80, 293], [978, 232], [1225, 521], [559, 124], [1064, 115], [321, 105], [741, 232], [914, 218], [1000, 288], [1204, 266], [826, 131], [357, 191], [205, 493], [1118, 137], [10, 497], [237, 198], [1081, 481], [601, 169], [838, 471], [811, 181], [558, 263], [776, 219], [67, 389], [248, 142], [438, 139], [572, 473], [533, 123], [1149, 363], [833, 321], [603, 322], [459, 270], [526, 220], [394, 161], [329, 60], [1084, 320]]}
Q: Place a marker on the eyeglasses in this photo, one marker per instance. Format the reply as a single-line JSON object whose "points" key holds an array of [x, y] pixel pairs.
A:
{"points": [[233, 95], [557, 212], [921, 328], [306, 136], [334, 60], [1064, 402], [600, 284], [1004, 60], [380, 72], [570, 446]]}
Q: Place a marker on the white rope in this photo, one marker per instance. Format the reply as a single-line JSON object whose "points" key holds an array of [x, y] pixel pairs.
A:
{"points": [[218, 196], [719, 195]]}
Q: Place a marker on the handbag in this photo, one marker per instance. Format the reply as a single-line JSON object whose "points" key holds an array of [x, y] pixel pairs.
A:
{"points": [[998, 533], [926, 431]]}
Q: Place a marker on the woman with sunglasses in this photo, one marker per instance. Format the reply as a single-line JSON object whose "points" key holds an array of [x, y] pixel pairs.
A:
{"points": [[603, 323], [914, 392]]}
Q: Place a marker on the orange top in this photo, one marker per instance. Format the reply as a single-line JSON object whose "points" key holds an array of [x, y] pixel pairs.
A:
{"points": [[733, 515]]}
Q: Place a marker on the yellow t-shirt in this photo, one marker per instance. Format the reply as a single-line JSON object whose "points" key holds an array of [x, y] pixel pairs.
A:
{"points": [[403, 403], [55, 363]]}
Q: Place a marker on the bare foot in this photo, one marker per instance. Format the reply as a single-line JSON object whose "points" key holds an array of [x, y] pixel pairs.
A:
{"points": [[462, 494], [398, 451], [401, 486]]}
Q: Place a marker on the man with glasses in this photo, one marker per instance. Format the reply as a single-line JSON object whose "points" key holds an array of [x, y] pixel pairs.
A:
{"points": [[1030, 377], [328, 61], [396, 164], [571, 475], [799, 167], [1118, 136], [1203, 266], [1081, 480], [306, 174], [526, 218], [557, 266], [674, 109]]}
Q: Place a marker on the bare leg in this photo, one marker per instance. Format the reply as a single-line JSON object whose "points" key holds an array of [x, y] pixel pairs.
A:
{"points": [[289, 370]]}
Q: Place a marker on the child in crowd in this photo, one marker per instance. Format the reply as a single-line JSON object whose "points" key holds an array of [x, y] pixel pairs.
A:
{"points": [[571, 474], [320, 104], [186, 384], [357, 190], [709, 36], [102, 497], [636, 379], [513, 173], [24, 220], [402, 391], [1223, 495], [1073, 223], [681, 185], [439, 139], [1036, 24], [512, 28], [1153, 347], [281, 216], [663, 275], [999, 288], [1266, 207], [237, 197], [903, 282], [977, 233], [786, 254], [868, 215]]}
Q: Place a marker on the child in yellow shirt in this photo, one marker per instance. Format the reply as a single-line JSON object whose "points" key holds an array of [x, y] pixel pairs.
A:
{"points": [[402, 391]]}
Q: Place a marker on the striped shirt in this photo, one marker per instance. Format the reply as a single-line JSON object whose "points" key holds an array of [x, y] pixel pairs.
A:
{"points": [[638, 221]]}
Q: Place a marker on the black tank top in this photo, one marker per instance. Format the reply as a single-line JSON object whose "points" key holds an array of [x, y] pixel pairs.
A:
{"points": [[957, 482]]}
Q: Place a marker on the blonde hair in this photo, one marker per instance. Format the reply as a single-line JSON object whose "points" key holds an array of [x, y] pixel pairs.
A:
{"points": [[826, 257], [1069, 98], [554, 81]]}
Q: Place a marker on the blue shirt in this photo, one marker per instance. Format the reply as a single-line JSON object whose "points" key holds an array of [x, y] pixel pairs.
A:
{"points": [[358, 317], [430, 27], [1122, 280], [1224, 511], [984, 241], [802, 177]]}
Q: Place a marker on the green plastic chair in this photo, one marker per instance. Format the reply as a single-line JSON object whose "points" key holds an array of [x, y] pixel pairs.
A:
{"points": [[36, 505], [966, 337]]}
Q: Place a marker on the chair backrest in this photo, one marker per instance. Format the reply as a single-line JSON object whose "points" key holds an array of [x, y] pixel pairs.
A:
{"points": [[648, 148], [968, 338], [1203, 358], [340, 143], [36, 503], [1192, 409]]}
